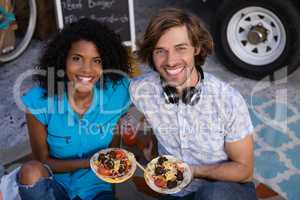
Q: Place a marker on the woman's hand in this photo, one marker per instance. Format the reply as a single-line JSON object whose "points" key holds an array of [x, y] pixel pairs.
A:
{"points": [[85, 163]]}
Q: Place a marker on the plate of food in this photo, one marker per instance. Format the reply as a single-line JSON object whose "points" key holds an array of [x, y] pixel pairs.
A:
{"points": [[167, 174], [113, 165]]}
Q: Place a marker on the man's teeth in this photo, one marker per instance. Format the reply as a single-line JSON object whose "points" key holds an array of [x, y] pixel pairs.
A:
{"points": [[174, 71]]}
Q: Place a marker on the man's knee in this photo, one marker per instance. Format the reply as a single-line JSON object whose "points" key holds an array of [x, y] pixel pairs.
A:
{"points": [[225, 191], [31, 172], [213, 191]]}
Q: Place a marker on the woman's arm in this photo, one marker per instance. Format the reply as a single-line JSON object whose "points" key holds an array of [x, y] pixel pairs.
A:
{"points": [[38, 140]]}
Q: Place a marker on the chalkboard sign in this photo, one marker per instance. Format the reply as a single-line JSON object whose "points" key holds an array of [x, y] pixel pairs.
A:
{"points": [[117, 14]]}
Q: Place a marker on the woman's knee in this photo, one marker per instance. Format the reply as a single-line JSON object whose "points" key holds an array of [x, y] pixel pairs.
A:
{"points": [[31, 172]]}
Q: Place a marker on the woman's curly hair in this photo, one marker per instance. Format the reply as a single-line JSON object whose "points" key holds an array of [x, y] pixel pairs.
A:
{"points": [[172, 17], [114, 55]]}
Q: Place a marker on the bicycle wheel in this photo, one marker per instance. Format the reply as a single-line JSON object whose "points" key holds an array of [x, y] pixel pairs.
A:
{"points": [[23, 39]]}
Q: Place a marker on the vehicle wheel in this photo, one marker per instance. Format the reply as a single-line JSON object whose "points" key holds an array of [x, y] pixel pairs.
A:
{"points": [[23, 42], [255, 38]]}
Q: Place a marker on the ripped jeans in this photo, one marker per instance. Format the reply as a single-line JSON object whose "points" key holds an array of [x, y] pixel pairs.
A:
{"points": [[48, 188]]}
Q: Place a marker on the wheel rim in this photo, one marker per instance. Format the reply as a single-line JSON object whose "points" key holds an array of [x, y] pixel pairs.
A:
{"points": [[27, 37], [253, 23]]}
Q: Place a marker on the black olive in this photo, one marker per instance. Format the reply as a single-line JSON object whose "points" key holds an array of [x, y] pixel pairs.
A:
{"points": [[161, 160], [171, 184], [121, 169], [159, 170], [112, 154], [101, 157], [122, 162], [179, 176], [110, 164]]}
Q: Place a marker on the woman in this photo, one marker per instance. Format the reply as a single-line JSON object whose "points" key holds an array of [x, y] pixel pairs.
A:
{"points": [[83, 91]]}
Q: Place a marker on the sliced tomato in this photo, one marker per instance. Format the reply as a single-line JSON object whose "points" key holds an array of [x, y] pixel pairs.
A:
{"points": [[120, 154], [159, 182], [103, 171]]}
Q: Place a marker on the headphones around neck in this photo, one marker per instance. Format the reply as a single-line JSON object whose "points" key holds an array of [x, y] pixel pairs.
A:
{"points": [[190, 95]]}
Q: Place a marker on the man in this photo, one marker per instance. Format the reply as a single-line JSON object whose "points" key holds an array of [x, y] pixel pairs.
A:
{"points": [[194, 116]]}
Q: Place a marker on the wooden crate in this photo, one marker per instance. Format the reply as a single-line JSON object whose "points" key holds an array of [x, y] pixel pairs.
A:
{"points": [[46, 23]]}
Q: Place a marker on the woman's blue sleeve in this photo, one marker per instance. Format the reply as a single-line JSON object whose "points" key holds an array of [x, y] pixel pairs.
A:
{"points": [[36, 104]]}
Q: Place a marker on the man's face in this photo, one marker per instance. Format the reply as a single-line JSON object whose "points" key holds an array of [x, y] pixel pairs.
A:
{"points": [[173, 57]]}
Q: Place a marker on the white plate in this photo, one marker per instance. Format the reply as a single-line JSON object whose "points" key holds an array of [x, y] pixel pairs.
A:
{"points": [[111, 179], [187, 176]]}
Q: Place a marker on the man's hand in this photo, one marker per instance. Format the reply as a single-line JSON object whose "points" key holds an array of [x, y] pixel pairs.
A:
{"points": [[148, 150]]}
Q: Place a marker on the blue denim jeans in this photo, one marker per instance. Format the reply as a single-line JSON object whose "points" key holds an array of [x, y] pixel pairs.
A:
{"points": [[219, 190], [49, 189]]}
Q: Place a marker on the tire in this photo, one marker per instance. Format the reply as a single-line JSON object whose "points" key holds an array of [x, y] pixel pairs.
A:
{"points": [[255, 38], [23, 44]]}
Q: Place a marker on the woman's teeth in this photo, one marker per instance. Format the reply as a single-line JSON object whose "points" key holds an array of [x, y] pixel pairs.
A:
{"points": [[174, 71], [84, 79]]}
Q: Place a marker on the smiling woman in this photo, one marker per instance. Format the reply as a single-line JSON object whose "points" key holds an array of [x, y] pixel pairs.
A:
{"points": [[83, 69], [86, 85], [106, 44], [83, 66]]}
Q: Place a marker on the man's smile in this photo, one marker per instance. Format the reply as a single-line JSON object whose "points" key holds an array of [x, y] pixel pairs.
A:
{"points": [[175, 71]]}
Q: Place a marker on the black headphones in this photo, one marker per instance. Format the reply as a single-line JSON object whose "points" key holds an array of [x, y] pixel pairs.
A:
{"points": [[190, 95]]}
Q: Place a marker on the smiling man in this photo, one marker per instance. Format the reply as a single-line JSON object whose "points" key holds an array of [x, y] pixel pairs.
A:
{"points": [[194, 116]]}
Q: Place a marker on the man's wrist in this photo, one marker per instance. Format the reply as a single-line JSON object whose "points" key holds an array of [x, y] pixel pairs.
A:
{"points": [[193, 169], [197, 171]]}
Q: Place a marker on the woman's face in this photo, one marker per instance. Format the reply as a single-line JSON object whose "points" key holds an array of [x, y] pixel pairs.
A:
{"points": [[83, 66]]}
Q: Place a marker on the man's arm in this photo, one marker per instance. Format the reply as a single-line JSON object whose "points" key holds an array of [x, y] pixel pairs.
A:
{"points": [[149, 146], [239, 168]]}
